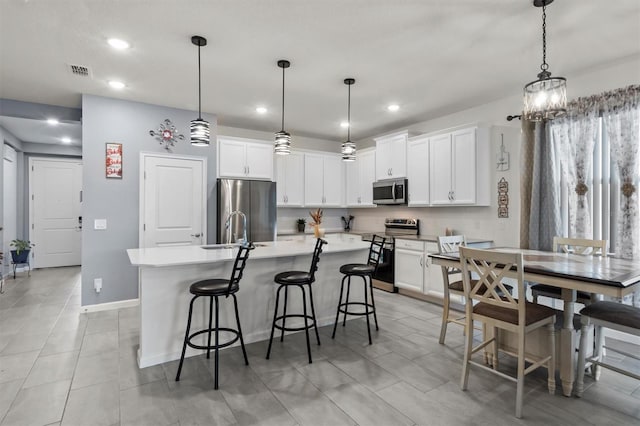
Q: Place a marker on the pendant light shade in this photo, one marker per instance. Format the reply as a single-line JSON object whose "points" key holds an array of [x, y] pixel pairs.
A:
{"points": [[282, 144], [545, 98], [349, 148], [199, 128]]}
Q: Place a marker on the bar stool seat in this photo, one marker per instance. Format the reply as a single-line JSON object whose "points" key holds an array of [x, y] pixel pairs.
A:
{"points": [[299, 279], [215, 288], [364, 271]]}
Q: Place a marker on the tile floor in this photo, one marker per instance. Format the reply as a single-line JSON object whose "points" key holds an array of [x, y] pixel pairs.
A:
{"points": [[61, 367]]}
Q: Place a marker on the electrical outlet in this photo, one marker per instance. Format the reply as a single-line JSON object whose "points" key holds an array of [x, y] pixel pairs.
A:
{"points": [[97, 284]]}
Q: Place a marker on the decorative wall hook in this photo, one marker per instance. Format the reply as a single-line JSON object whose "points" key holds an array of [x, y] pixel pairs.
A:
{"points": [[167, 134], [502, 159]]}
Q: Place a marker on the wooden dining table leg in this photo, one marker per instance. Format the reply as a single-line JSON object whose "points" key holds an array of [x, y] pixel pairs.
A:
{"points": [[567, 343]]}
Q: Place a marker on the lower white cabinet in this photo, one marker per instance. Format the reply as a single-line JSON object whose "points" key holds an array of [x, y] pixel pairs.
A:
{"points": [[414, 269]]}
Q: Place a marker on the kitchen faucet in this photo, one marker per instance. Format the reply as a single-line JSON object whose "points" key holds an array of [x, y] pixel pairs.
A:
{"points": [[244, 225]]}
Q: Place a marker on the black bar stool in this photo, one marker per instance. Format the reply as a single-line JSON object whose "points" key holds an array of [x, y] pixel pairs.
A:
{"points": [[299, 279], [214, 288], [363, 271]]}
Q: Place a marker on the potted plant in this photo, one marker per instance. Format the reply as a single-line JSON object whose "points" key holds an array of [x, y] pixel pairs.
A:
{"points": [[22, 250], [301, 224]]}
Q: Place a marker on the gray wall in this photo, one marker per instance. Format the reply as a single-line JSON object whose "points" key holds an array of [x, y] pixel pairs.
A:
{"points": [[104, 252], [7, 137]]}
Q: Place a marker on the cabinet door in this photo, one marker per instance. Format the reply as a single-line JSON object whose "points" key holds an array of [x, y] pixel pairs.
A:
{"points": [[433, 283], [418, 171], [409, 270], [383, 159], [463, 186], [399, 156], [313, 179], [367, 175], [332, 181], [352, 174], [259, 161], [281, 179], [440, 169], [295, 179], [231, 161]]}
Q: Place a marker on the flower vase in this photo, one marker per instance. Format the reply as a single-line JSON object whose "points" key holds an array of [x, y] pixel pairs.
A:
{"points": [[318, 232]]}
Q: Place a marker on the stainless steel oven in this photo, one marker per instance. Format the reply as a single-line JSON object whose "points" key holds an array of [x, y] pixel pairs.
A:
{"points": [[391, 191], [384, 277]]}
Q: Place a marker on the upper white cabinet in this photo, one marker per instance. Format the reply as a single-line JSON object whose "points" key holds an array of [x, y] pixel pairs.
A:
{"points": [[244, 158], [360, 176], [323, 180], [459, 168], [391, 156], [290, 179], [418, 171]]}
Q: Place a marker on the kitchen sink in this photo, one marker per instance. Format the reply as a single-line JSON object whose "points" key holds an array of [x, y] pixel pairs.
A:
{"points": [[229, 246]]}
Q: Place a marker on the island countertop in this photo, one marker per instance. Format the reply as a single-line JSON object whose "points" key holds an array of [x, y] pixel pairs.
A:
{"points": [[193, 255]]}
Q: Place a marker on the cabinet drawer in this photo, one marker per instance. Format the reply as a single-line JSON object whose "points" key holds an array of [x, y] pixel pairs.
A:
{"points": [[410, 244]]}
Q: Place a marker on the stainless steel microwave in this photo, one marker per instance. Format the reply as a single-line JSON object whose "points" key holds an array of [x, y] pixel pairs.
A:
{"points": [[391, 191]]}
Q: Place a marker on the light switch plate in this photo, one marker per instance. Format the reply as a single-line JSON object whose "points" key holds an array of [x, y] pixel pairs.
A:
{"points": [[100, 224]]}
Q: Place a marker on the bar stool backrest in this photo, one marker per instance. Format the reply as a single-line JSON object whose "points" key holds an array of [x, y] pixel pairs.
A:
{"points": [[315, 259], [375, 251], [239, 264], [451, 244]]}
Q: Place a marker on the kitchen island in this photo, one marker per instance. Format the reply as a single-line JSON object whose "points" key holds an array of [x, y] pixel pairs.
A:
{"points": [[165, 274]]}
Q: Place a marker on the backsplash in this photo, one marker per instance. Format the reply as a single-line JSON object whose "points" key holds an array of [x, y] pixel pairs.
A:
{"points": [[288, 216]]}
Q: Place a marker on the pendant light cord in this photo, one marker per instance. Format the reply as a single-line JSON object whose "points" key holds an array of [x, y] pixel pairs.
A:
{"points": [[282, 99], [349, 115], [199, 87], [544, 66]]}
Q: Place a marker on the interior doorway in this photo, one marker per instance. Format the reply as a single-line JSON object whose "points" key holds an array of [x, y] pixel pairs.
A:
{"points": [[55, 198], [10, 202]]}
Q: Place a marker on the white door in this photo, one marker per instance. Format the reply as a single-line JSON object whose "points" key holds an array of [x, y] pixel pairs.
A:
{"points": [[259, 160], [352, 174], [56, 227], [409, 269], [313, 179], [295, 179], [232, 158], [173, 198], [10, 202], [333, 182], [281, 179], [399, 156], [418, 171], [384, 151], [440, 169], [464, 166]]}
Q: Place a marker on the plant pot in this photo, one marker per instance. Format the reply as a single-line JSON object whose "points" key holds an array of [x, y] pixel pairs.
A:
{"points": [[301, 227], [20, 258]]}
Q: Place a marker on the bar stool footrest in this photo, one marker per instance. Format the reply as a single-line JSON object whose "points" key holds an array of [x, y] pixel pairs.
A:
{"points": [[343, 308], [213, 330], [311, 324]]}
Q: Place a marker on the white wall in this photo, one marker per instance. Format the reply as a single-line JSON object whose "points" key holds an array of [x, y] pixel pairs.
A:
{"points": [[482, 222]]}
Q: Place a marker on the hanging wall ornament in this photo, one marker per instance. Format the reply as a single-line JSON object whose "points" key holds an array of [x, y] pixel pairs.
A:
{"points": [[167, 134], [503, 198]]}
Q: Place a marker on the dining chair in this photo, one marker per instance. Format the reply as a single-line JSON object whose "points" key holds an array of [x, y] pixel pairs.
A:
{"points": [[450, 244], [612, 315], [497, 309], [580, 246]]}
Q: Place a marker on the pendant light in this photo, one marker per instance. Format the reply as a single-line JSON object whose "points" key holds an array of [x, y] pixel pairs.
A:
{"points": [[348, 147], [545, 98], [283, 139], [199, 127]]}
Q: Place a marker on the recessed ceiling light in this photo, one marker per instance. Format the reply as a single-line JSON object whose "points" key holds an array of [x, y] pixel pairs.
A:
{"points": [[393, 107], [116, 84], [116, 43], [66, 140], [261, 110], [52, 122], [344, 124]]}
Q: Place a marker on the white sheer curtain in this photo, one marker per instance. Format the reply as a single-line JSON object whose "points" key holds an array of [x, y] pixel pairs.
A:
{"points": [[575, 135], [621, 113]]}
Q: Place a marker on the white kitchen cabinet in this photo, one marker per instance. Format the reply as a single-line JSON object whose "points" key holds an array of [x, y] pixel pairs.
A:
{"points": [[323, 180], [459, 168], [409, 264], [418, 171], [360, 175], [391, 156], [244, 159], [290, 179], [433, 281]]}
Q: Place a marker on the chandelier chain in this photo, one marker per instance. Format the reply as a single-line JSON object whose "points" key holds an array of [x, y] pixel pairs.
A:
{"points": [[283, 99], [349, 114], [544, 66], [199, 86]]}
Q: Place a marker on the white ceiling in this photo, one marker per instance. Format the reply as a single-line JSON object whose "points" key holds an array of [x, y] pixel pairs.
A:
{"points": [[432, 57]]}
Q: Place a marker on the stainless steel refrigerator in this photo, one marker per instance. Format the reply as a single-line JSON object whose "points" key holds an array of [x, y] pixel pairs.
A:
{"points": [[256, 200]]}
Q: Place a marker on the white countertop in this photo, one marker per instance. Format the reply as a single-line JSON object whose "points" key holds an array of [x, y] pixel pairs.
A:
{"points": [[292, 246]]}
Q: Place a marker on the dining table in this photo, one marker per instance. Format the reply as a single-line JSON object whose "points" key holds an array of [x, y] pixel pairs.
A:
{"points": [[601, 275]]}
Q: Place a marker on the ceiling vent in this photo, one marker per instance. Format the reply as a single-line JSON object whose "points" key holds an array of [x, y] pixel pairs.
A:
{"points": [[80, 70]]}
